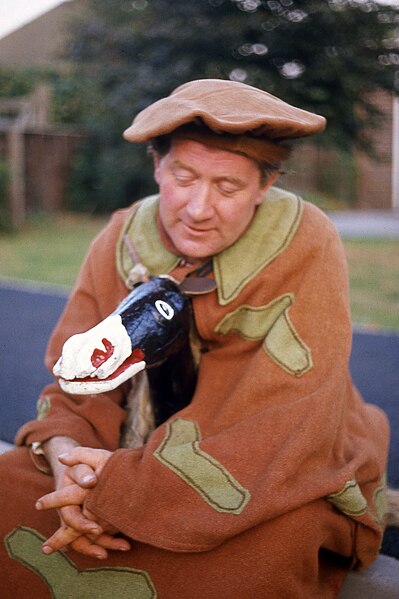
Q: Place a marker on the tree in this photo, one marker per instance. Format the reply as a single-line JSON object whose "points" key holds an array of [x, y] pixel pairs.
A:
{"points": [[328, 56]]}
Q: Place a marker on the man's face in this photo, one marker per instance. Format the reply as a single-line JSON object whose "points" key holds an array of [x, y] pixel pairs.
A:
{"points": [[208, 196]]}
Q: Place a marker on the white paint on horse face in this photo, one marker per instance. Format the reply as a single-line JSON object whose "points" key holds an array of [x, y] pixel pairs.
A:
{"points": [[76, 361]]}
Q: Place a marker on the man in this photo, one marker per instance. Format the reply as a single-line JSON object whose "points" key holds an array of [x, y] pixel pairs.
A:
{"points": [[270, 483]]}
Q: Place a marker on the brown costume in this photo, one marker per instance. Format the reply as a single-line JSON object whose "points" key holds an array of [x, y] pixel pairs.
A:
{"points": [[270, 483]]}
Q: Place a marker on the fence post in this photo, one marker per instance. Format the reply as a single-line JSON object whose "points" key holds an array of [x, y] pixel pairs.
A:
{"points": [[17, 187]]}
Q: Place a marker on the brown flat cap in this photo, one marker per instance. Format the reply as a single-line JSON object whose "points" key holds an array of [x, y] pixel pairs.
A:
{"points": [[224, 107]]}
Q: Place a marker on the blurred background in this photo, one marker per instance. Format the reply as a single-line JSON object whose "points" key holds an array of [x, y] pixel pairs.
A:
{"points": [[73, 74]]}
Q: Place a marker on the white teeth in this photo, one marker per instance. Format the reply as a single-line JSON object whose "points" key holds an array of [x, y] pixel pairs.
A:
{"points": [[57, 367], [100, 386]]}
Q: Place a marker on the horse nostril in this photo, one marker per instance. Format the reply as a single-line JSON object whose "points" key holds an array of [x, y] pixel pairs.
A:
{"points": [[99, 356]]}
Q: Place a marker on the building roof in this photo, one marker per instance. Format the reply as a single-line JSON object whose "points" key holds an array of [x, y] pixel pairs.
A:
{"points": [[41, 41]]}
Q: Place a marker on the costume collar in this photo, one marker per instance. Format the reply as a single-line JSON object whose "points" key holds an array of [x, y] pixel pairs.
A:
{"points": [[142, 230], [271, 231]]}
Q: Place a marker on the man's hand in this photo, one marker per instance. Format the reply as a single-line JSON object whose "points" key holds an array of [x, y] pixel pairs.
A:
{"points": [[79, 528], [81, 474]]}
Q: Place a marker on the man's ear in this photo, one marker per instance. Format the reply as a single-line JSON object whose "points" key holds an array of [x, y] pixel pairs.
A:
{"points": [[157, 163], [270, 181]]}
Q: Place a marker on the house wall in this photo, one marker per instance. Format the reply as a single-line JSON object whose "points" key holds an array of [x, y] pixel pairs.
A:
{"points": [[321, 174], [374, 177], [40, 42], [395, 155]]}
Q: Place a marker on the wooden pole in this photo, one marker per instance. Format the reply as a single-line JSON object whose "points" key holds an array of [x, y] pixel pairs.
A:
{"points": [[16, 162]]}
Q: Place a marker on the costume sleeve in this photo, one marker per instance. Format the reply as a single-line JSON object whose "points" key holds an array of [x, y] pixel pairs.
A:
{"points": [[94, 420], [275, 422]]}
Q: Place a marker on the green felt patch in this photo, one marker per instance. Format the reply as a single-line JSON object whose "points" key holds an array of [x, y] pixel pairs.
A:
{"points": [[271, 323], [65, 581], [350, 499], [180, 452]]}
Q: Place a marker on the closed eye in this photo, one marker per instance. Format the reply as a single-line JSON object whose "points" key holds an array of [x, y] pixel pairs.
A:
{"points": [[184, 179], [229, 187], [227, 192], [184, 176]]}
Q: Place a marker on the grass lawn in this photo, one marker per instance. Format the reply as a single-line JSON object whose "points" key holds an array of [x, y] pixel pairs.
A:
{"points": [[50, 249], [374, 281]]}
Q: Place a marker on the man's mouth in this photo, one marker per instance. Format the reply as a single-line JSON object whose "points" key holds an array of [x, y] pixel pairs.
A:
{"points": [[195, 230]]}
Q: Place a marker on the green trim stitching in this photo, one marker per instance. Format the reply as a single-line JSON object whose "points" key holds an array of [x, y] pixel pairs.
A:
{"points": [[180, 452], [63, 578]]}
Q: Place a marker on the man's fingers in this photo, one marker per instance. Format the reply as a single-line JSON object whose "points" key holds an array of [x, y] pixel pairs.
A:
{"points": [[110, 542], [93, 458], [73, 517], [68, 495], [90, 545], [83, 475], [85, 546], [63, 536]]}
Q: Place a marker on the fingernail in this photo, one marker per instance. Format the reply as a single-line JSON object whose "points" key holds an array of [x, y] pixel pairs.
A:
{"points": [[47, 550], [38, 505], [89, 478], [95, 530], [62, 456]]}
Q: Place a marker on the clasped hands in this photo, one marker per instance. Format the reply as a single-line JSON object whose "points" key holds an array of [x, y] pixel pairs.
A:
{"points": [[79, 528]]}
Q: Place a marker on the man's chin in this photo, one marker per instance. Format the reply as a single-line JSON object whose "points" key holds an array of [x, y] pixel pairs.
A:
{"points": [[195, 254], [197, 249]]}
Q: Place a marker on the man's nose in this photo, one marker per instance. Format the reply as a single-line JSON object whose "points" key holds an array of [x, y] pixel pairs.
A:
{"points": [[200, 204]]}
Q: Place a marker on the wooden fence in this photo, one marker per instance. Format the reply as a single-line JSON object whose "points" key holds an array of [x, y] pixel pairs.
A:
{"points": [[38, 154]]}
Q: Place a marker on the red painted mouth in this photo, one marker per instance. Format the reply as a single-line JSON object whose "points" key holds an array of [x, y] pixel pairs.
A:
{"points": [[136, 356]]}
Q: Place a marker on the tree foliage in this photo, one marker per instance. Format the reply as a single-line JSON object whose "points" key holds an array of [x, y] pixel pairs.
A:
{"points": [[328, 56]]}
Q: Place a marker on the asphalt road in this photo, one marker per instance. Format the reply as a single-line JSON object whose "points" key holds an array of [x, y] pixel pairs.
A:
{"points": [[364, 223]]}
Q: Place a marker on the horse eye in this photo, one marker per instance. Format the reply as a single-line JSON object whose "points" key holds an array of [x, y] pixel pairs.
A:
{"points": [[164, 309]]}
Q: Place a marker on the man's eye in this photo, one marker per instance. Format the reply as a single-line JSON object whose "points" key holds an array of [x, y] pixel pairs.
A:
{"points": [[183, 177], [184, 180], [228, 190]]}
